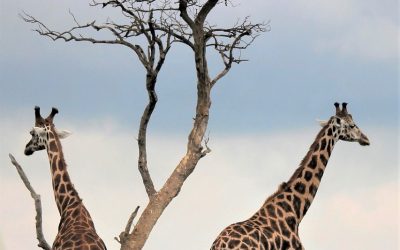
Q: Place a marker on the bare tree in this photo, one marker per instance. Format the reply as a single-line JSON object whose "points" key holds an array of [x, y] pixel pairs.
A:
{"points": [[163, 23]]}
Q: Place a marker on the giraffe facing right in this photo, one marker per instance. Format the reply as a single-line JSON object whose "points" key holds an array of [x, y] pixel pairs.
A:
{"points": [[275, 225]]}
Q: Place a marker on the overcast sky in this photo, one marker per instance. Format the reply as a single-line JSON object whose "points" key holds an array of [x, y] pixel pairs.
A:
{"points": [[262, 123]]}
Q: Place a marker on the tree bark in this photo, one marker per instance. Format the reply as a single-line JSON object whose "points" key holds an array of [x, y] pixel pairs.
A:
{"points": [[142, 137]]}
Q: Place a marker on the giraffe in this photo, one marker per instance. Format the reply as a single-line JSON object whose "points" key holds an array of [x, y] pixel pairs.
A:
{"points": [[275, 225], [76, 230]]}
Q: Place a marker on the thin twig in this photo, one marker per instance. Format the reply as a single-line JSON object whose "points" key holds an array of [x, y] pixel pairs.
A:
{"points": [[124, 234], [207, 150], [38, 205]]}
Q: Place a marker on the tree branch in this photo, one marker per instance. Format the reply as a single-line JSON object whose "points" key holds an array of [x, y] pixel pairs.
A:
{"points": [[207, 150], [142, 144], [183, 5], [204, 11], [123, 235], [68, 35], [38, 205], [236, 43], [180, 37]]}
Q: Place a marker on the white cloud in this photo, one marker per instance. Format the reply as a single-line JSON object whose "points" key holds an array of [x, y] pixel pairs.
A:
{"points": [[365, 39], [363, 30], [354, 28], [354, 216], [357, 198]]}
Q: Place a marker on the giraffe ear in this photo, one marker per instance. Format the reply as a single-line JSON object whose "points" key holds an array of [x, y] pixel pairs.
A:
{"points": [[322, 123], [63, 133]]}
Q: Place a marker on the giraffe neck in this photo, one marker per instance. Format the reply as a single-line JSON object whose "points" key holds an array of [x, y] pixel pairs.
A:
{"points": [[64, 191], [294, 197], [305, 181]]}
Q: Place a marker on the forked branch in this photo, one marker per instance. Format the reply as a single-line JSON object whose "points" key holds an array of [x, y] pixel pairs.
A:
{"points": [[125, 233], [231, 41]]}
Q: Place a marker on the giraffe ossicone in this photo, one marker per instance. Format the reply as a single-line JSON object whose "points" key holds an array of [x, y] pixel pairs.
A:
{"points": [[76, 230], [275, 225]]}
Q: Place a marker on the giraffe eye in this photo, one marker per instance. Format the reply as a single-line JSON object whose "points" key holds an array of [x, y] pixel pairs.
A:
{"points": [[352, 126]]}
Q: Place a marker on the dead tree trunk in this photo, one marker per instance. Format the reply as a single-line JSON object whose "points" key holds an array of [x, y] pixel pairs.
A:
{"points": [[163, 23], [195, 150]]}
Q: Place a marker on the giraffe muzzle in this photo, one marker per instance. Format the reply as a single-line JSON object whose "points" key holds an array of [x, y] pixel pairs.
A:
{"points": [[28, 151], [364, 141]]}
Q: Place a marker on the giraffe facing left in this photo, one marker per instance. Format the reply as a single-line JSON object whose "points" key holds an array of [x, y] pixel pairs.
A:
{"points": [[76, 230]]}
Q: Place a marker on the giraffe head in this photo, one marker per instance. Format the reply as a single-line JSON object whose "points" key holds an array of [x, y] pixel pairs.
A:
{"points": [[42, 131], [343, 125]]}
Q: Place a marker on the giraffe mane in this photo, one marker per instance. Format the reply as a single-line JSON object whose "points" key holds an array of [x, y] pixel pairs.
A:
{"points": [[309, 153], [281, 187], [62, 159], [296, 173]]}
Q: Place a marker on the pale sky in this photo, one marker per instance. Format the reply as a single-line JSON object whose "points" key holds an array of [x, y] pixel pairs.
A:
{"points": [[262, 123]]}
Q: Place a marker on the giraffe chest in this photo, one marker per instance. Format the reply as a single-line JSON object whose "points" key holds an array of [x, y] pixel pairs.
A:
{"points": [[253, 235], [78, 240], [76, 231]]}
